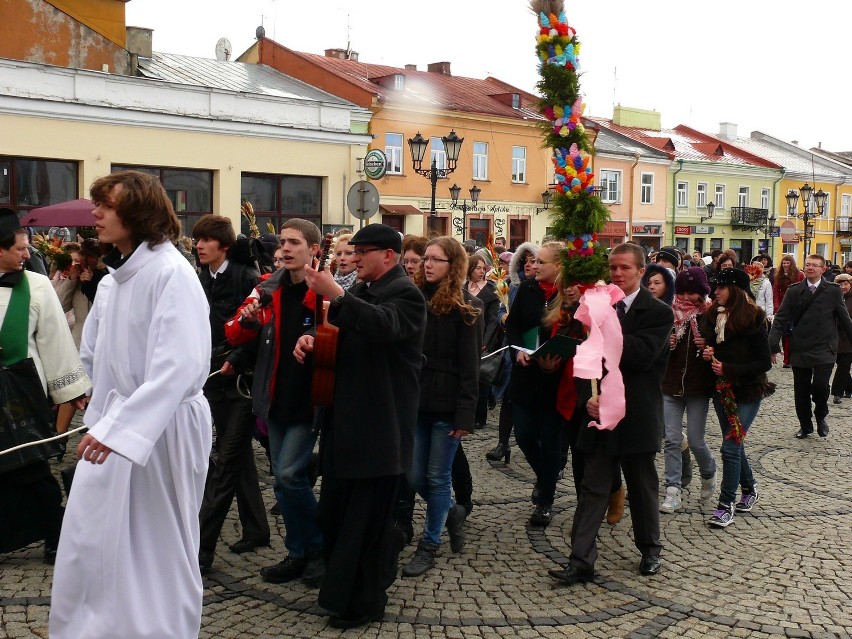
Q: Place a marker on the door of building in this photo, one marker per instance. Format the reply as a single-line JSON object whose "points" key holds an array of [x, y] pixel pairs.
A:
{"points": [[518, 233], [396, 222], [479, 231]]}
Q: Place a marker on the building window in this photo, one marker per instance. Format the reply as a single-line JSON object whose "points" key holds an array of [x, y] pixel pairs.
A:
{"points": [[822, 249], [393, 152], [26, 183], [682, 193], [480, 161], [742, 197], [518, 233], [715, 243], [701, 196], [439, 155], [827, 207], [277, 198], [398, 81], [519, 164], [764, 199], [720, 196], [610, 186], [789, 249], [190, 190], [646, 195], [845, 205]]}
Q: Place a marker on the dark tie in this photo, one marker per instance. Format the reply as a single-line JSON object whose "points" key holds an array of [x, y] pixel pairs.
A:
{"points": [[812, 287], [620, 309]]}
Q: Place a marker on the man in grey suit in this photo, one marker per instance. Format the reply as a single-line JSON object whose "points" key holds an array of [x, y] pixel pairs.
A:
{"points": [[811, 312]]}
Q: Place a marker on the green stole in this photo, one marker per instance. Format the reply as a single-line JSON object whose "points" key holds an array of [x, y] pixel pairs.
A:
{"points": [[14, 334]]}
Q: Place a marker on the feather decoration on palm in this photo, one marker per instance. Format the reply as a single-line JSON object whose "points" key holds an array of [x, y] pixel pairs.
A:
{"points": [[578, 214]]}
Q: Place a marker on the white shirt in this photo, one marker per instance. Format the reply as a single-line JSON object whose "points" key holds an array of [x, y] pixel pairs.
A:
{"points": [[628, 300], [222, 268]]}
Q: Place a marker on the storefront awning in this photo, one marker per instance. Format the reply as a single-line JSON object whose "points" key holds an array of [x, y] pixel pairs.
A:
{"points": [[399, 209]]}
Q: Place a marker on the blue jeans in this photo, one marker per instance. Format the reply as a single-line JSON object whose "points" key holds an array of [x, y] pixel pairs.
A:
{"points": [[735, 466], [696, 407], [538, 431], [431, 472], [290, 447]]}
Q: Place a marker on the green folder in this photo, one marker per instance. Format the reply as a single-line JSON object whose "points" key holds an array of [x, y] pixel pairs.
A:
{"points": [[530, 339], [561, 345]]}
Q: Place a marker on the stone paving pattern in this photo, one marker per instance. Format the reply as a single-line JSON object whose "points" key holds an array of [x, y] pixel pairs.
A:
{"points": [[785, 570]]}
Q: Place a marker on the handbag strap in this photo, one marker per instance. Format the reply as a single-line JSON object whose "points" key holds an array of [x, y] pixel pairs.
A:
{"points": [[14, 333]]}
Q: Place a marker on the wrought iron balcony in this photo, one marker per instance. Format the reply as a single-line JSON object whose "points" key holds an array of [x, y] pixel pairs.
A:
{"points": [[843, 225], [746, 217]]}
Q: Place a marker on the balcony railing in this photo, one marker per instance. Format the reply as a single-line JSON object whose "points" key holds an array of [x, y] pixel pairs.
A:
{"points": [[748, 217], [843, 225]]}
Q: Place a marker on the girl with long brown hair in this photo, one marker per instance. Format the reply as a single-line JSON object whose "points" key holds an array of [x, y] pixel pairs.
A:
{"points": [[787, 274], [448, 393]]}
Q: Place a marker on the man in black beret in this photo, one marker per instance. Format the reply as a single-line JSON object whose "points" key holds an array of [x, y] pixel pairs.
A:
{"points": [[669, 257], [367, 441]]}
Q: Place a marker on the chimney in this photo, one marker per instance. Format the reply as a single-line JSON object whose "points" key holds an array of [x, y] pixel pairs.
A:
{"points": [[728, 130], [439, 67], [796, 142], [353, 55], [140, 41], [411, 67], [340, 54]]}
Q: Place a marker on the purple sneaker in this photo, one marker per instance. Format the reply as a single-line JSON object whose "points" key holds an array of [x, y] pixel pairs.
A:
{"points": [[747, 501], [723, 516]]}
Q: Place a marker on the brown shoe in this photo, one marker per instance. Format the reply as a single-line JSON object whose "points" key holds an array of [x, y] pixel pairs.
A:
{"points": [[615, 510]]}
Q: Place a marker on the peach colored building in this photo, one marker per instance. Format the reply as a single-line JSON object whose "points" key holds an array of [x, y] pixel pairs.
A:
{"points": [[501, 154]]}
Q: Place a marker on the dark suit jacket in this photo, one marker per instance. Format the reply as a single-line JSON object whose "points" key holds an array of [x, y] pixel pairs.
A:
{"points": [[377, 380], [814, 338], [646, 328]]}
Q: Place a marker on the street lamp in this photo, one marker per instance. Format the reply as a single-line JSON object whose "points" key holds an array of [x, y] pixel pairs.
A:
{"points": [[452, 146], [546, 196], [819, 199], [461, 225], [711, 207]]}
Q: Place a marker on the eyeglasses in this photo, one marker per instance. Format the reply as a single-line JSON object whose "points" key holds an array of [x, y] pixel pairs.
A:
{"points": [[277, 260], [813, 265], [363, 251], [429, 258]]}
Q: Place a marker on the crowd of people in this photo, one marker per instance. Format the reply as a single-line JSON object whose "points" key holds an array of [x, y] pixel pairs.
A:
{"points": [[365, 359]]}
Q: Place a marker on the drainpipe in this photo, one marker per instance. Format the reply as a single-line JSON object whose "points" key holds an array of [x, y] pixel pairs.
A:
{"points": [[674, 200], [834, 224], [775, 206], [632, 197]]}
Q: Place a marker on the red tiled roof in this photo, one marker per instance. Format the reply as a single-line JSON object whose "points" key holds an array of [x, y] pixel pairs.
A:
{"points": [[685, 143], [426, 89]]}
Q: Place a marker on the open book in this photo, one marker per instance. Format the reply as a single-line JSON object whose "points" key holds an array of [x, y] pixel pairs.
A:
{"points": [[560, 345]]}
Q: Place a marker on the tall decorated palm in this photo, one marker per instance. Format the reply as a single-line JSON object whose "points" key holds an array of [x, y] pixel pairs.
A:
{"points": [[578, 214]]}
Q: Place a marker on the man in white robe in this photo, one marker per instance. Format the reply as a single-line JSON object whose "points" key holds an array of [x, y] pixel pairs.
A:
{"points": [[127, 564]]}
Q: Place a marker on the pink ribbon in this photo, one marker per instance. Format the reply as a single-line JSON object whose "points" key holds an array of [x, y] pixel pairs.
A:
{"points": [[603, 345]]}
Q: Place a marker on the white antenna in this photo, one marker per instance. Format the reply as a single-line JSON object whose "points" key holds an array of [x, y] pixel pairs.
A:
{"points": [[614, 83], [348, 37], [223, 50]]}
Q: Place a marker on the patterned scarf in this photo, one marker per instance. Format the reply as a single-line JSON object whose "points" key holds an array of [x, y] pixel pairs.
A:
{"points": [[346, 281], [721, 321], [686, 316]]}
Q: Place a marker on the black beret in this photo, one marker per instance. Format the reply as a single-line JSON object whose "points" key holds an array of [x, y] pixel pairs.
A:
{"points": [[732, 277], [9, 222], [379, 235]]}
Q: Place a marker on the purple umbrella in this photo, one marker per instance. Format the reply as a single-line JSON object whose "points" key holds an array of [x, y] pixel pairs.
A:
{"points": [[73, 213]]}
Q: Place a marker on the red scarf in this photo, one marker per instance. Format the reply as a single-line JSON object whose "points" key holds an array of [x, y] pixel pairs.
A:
{"points": [[549, 289]]}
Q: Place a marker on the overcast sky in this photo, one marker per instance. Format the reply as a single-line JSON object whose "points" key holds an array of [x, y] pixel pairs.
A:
{"points": [[777, 67]]}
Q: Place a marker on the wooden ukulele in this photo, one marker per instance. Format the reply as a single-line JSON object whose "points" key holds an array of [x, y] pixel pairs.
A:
{"points": [[325, 343]]}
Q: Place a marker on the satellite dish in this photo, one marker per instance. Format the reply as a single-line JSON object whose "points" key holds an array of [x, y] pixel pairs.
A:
{"points": [[223, 50]]}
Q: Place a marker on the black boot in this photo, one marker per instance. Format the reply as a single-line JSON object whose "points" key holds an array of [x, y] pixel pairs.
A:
{"points": [[500, 451], [423, 559]]}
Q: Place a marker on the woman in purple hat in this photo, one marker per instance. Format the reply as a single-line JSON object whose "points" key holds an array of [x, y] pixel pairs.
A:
{"points": [[687, 387]]}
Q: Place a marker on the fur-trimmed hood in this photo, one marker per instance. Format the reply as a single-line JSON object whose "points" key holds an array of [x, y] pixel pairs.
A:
{"points": [[516, 266], [653, 269]]}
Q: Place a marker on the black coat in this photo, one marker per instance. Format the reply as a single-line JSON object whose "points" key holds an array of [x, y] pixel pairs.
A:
{"points": [[646, 328], [814, 339], [449, 379], [490, 304], [370, 432], [529, 385]]}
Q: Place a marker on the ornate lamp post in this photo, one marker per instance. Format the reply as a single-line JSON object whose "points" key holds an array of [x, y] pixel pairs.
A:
{"points": [[461, 225], [819, 199], [452, 146], [546, 196]]}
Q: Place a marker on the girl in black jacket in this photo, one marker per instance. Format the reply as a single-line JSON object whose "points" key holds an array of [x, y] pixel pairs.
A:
{"points": [[738, 349], [448, 393]]}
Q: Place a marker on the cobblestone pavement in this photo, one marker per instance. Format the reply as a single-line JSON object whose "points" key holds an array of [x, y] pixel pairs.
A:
{"points": [[783, 570]]}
